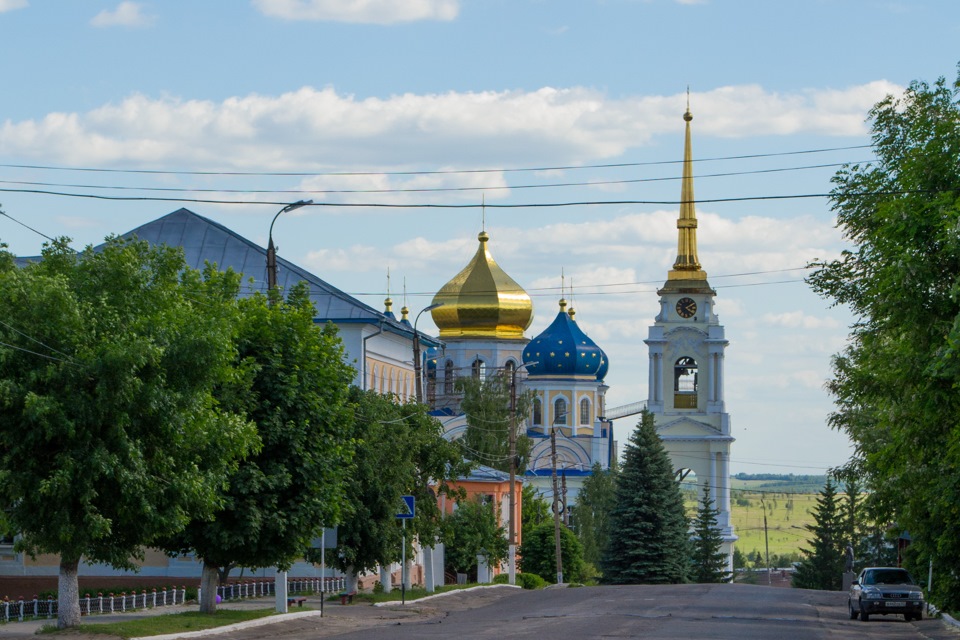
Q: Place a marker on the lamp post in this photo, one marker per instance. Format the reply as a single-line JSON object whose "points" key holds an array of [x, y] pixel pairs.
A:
{"points": [[512, 534], [418, 381], [272, 250]]}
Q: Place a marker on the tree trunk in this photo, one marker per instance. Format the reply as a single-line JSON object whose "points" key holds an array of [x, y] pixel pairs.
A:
{"points": [[209, 579], [352, 579], [68, 612]]}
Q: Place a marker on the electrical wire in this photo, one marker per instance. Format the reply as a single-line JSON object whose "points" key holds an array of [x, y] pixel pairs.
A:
{"points": [[427, 173]]}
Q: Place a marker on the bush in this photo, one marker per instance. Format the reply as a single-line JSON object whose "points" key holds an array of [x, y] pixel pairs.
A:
{"points": [[525, 580]]}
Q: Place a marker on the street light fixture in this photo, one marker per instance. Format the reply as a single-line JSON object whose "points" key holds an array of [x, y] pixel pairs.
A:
{"points": [[512, 534], [272, 250], [418, 382]]}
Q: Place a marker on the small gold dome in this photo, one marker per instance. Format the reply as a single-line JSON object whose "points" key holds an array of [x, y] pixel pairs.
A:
{"points": [[482, 301]]}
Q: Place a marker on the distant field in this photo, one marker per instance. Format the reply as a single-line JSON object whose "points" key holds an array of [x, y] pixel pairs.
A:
{"points": [[788, 502]]}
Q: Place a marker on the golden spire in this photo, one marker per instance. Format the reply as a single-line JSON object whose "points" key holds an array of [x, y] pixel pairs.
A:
{"points": [[687, 265], [388, 303], [404, 311]]}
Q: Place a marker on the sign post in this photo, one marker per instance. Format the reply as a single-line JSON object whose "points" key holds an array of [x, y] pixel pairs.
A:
{"points": [[409, 509]]}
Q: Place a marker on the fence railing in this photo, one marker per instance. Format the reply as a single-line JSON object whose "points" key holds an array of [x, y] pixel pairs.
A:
{"points": [[21, 609]]}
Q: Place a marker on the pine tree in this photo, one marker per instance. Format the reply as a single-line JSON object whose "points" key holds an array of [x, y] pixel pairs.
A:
{"points": [[709, 562], [591, 515], [649, 539], [822, 568]]}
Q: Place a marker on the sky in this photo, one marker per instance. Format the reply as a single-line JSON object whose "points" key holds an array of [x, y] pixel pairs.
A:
{"points": [[563, 118]]}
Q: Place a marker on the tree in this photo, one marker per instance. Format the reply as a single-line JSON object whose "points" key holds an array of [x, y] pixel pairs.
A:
{"points": [[110, 435], [709, 561], [473, 527], [649, 539], [895, 383], [534, 509], [486, 403], [294, 386], [591, 515], [822, 566], [539, 553], [400, 451]]}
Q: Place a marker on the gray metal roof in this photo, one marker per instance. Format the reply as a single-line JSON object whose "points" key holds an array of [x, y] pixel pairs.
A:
{"points": [[204, 240]]}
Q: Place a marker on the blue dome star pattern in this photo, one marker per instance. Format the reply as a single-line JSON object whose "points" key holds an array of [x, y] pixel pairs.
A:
{"points": [[564, 350]]}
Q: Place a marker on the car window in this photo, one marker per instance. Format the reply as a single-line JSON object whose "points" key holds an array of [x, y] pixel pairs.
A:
{"points": [[890, 576]]}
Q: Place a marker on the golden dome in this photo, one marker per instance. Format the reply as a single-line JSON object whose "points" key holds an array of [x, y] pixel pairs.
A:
{"points": [[482, 301]]}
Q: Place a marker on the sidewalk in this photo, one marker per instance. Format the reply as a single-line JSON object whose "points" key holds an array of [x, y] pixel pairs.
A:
{"points": [[29, 628]]}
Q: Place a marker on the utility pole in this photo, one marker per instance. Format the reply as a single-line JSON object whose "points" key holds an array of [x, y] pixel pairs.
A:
{"points": [[556, 503], [766, 539], [512, 533]]}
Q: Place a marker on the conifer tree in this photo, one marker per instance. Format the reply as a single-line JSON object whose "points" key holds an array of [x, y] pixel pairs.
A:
{"points": [[591, 515], [649, 539], [709, 561], [822, 568]]}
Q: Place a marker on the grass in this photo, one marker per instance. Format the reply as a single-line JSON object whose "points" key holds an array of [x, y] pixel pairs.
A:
{"points": [[170, 623], [414, 593]]}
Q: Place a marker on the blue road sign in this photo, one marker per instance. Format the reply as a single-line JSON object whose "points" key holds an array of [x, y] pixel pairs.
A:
{"points": [[409, 506]]}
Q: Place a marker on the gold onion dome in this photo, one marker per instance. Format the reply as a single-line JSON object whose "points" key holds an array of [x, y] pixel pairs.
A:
{"points": [[482, 301]]}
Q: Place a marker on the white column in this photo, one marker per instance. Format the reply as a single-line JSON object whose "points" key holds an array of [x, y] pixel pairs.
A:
{"points": [[280, 588], [428, 580]]}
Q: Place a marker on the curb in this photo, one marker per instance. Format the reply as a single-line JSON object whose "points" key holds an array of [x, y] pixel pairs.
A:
{"points": [[437, 595], [233, 627]]}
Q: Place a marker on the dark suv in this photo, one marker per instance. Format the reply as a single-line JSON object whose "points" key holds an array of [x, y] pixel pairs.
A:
{"points": [[885, 591]]}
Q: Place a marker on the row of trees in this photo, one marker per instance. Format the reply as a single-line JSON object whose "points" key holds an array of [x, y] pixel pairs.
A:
{"points": [[895, 384], [144, 404]]}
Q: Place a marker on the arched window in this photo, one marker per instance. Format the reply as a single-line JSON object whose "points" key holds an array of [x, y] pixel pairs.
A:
{"points": [[448, 377], [585, 411], [537, 412], [431, 381], [479, 369], [560, 411], [685, 382], [373, 379], [508, 370]]}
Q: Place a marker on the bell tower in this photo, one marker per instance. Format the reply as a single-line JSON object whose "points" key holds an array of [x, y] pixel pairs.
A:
{"points": [[686, 346]]}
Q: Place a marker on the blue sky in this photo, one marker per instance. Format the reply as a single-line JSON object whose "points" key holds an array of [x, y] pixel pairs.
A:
{"points": [[380, 87]]}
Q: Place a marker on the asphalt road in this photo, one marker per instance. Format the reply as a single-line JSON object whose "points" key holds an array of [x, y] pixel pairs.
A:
{"points": [[737, 612]]}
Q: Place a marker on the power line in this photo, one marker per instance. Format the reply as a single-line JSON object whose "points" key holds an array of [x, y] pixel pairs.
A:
{"points": [[5, 215], [549, 185], [424, 173]]}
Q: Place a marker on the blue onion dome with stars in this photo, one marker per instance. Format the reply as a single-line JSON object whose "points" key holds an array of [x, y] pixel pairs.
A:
{"points": [[564, 350]]}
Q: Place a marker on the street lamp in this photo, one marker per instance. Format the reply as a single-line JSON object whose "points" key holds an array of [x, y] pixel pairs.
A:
{"points": [[512, 558], [418, 382], [272, 250]]}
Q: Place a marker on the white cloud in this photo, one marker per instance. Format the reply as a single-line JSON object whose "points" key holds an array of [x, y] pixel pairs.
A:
{"points": [[360, 11], [293, 130], [127, 14], [799, 319], [10, 5]]}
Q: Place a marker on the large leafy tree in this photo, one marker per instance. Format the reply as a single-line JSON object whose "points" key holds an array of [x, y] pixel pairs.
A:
{"points": [[895, 384], [822, 566], [110, 434], [709, 560], [649, 539], [486, 403], [400, 451], [293, 384], [591, 515]]}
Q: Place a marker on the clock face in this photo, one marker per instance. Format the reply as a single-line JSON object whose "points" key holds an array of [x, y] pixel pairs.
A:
{"points": [[686, 307]]}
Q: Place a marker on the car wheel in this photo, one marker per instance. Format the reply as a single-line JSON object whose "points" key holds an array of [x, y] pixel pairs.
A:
{"points": [[854, 614], [863, 614]]}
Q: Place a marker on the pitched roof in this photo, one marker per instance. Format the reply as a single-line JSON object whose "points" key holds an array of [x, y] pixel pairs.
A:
{"points": [[204, 240]]}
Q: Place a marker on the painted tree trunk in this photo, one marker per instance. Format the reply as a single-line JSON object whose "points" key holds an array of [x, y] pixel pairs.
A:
{"points": [[209, 580], [352, 579], [68, 593]]}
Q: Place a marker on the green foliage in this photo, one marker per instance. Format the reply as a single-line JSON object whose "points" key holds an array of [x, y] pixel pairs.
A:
{"points": [[110, 434], [473, 527], [293, 384], [649, 539], [539, 553], [525, 580], [400, 451], [486, 403], [534, 510], [822, 566], [895, 384], [709, 561], [591, 515]]}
